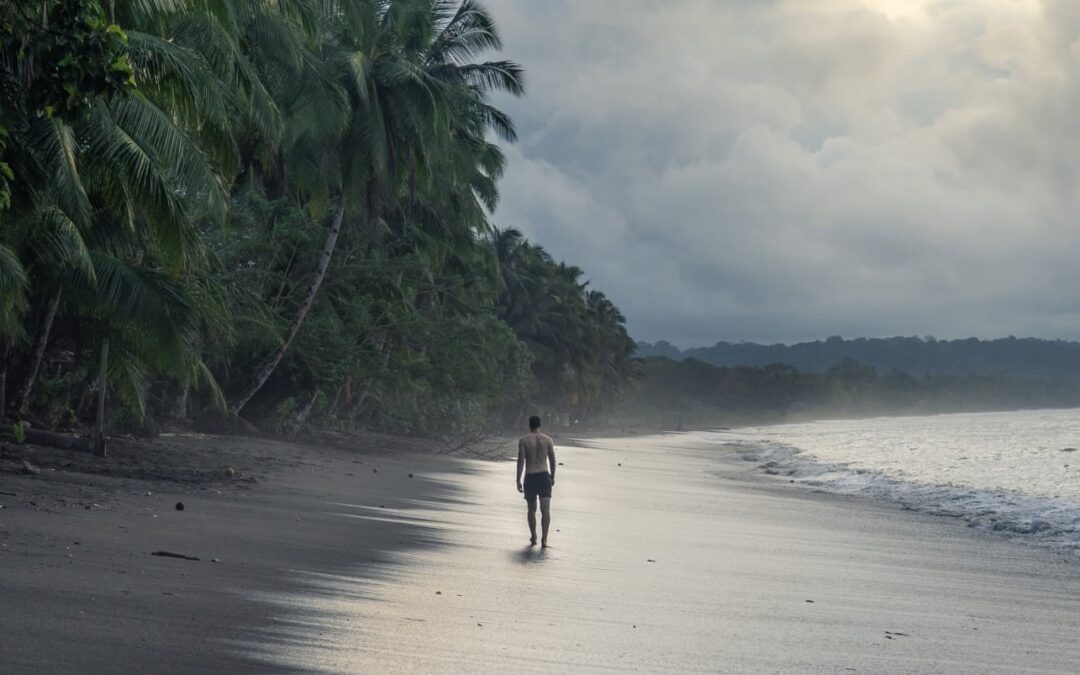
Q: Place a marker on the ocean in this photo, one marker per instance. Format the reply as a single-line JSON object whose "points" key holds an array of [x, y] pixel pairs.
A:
{"points": [[1017, 473]]}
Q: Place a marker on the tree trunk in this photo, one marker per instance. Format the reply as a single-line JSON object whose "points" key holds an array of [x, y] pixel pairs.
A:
{"points": [[372, 217], [271, 363], [302, 418], [53, 440], [384, 353], [41, 341], [284, 278], [355, 410], [180, 406], [3, 380], [103, 377], [337, 399]]}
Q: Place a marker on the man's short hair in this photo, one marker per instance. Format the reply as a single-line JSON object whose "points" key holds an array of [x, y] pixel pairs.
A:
{"points": [[534, 422]]}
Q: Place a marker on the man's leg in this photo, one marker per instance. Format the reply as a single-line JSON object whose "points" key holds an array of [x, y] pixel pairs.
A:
{"points": [[532, 521], [545, 520]]}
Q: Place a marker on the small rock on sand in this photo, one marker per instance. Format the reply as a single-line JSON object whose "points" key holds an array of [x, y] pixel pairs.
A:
{"points": [[179, 506], [29, 468], [1068, 449]]}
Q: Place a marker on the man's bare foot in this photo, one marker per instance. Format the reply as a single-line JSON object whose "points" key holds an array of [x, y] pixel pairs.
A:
{"points": [[544, 544], [532, 541]]}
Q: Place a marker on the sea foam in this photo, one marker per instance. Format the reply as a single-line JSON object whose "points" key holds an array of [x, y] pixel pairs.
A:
{"points": [[980, 492]]}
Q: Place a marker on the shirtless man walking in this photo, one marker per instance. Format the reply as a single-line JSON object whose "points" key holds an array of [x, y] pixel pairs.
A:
{"points": [[536, 453]]}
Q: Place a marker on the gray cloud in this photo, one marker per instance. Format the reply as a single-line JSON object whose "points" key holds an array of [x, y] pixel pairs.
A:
{"points": [[800, 168]]}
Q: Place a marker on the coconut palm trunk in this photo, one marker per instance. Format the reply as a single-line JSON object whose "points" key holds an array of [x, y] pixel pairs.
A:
{"points": [[40, 343], [3, 380], [268, 366], [103, 385], [180, 406]]}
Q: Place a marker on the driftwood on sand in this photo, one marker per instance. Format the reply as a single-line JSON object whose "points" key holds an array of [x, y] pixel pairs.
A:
{"points": [[52, 439]]}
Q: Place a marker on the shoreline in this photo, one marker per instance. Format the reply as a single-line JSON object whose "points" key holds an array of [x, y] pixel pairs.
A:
{"points": [[341, 562], [1037, 506]]}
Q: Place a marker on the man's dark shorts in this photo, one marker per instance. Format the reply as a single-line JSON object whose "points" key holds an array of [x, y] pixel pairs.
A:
{"points": [[537, 485]]}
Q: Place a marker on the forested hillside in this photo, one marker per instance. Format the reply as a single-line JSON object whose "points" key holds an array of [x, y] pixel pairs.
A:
{"points": [[689, 392], [1020, 357], [277, 211]]}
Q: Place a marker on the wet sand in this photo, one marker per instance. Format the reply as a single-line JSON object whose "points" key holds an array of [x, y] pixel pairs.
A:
{"points": [[81, 591], [676, 561]]}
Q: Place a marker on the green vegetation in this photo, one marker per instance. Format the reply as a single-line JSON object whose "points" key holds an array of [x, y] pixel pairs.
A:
{"points": [[277, 210], [1057, 360], [691, 393]]}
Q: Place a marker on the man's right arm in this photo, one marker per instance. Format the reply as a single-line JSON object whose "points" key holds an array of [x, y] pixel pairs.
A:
{"points": [[551, 458]]}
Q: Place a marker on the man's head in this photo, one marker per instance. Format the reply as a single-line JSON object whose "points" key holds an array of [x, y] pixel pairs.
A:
{"points": [[534, 423]]}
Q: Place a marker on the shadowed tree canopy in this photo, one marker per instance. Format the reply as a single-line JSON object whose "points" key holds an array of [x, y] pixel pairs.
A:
{"points": [[279, 210]]}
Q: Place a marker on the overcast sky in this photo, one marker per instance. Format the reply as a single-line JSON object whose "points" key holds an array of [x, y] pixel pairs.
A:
{"points": [[780, 170]]}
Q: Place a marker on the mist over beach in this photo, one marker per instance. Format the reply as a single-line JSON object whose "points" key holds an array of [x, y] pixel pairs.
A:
{"points": [[498, 336]]}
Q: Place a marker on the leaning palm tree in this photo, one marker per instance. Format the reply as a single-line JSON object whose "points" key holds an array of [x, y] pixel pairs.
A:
{"points": [[401, 74]]}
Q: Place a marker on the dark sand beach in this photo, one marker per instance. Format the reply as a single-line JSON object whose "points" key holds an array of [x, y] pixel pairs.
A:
{"points": [[679, 560]]}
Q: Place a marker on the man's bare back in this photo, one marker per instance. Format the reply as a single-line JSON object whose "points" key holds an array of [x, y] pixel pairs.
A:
{"points": [[536, 446], [536, 460]]}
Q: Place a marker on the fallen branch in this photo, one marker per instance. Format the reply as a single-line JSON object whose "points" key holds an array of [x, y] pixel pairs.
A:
{"points": [[39, 437], [170, 554]]}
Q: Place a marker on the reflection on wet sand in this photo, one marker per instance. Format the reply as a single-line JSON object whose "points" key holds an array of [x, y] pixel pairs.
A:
{"points": [[531, 554], [664, 562]]}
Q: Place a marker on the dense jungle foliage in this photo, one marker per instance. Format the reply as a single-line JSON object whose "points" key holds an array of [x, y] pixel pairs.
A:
{"points": [[277, 210]]}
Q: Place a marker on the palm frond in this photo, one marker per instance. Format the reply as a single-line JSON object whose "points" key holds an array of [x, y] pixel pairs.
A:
{"points": [[469, 33], [206, 378], [153, 304], [59, 242], [57, 150], [13, 287], [504, 76]]}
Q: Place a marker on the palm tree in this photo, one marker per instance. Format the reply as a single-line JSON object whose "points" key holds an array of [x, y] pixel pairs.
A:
{"points": [[104, 208], [583, 354], [404, 72]]}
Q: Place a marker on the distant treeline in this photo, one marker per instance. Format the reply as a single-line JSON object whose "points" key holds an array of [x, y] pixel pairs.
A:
{"points": [[1057, 360], [693, 393]]}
